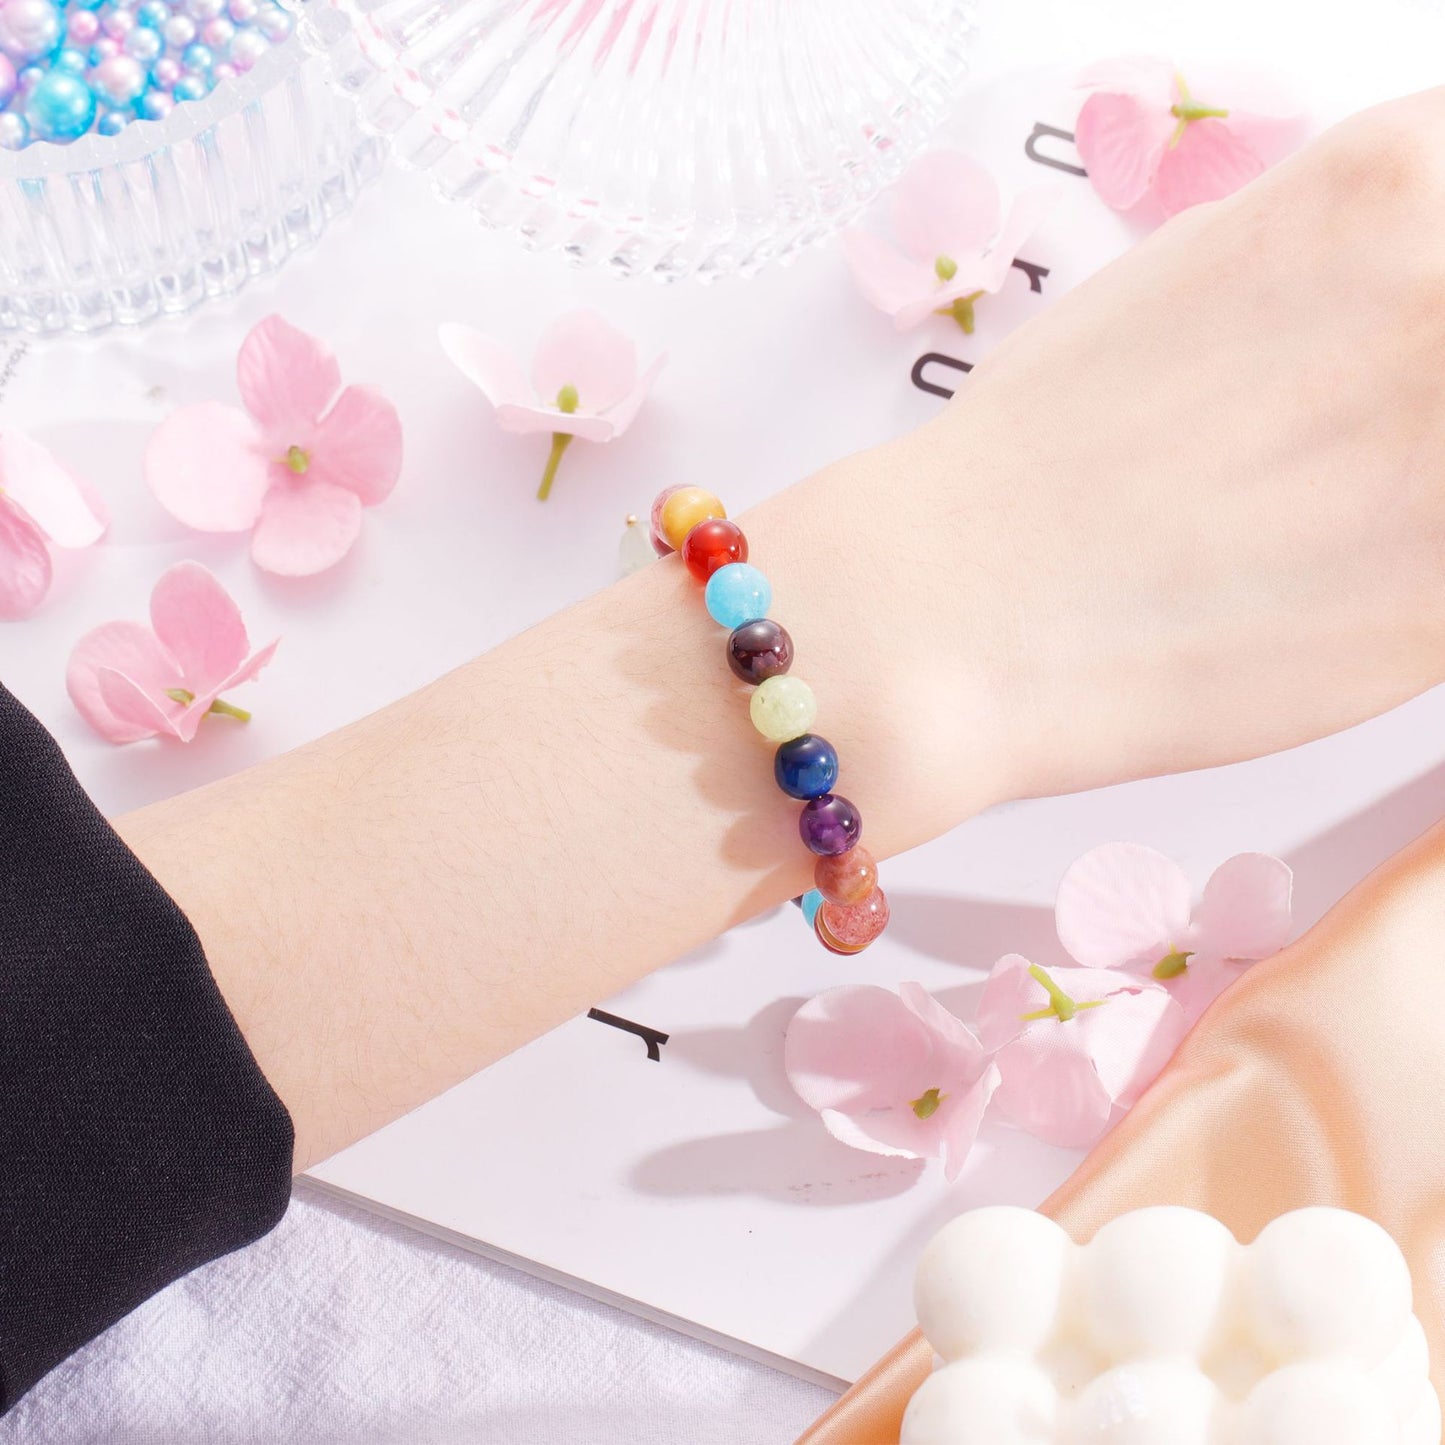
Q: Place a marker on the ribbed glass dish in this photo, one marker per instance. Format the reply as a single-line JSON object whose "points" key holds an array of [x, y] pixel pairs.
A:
{"points": [[656, 137], [150, 222]]}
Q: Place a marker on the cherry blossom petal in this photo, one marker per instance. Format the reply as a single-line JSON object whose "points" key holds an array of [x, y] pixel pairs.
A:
{"points": [[1012, 991], [124, 648], [25, 566], [622, 415], [138, 713], [1130, 1037], [199, 625], [306, 526], [1201, 983], [549, 419], [358, 445], [1122, 139], [488, 365], [1211, 161], [52, 498], [584, 350], [287, 379], [1030, 209], [888, 279], [1050, 1087], [1121, 904], [208, 466], [855, 1048], [1245, 912], [947, 205]]}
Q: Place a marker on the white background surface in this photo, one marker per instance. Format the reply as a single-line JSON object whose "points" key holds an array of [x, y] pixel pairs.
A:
{"points": [[337, 1329]]}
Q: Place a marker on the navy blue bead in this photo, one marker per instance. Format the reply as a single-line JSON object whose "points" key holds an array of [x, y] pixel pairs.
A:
{"points": [[806, 766]]}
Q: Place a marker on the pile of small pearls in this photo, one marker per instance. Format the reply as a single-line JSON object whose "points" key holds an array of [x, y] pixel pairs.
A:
{"points": [[77, 66]]}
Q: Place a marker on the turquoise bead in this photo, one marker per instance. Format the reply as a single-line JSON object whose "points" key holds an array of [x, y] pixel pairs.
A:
{"points": [[810, 903], [738, 593]]}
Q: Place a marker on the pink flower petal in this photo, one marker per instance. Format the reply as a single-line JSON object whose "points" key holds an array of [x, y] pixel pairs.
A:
{"points": [[548, 419], [947, 205], [487, 365], [208, 467], [1122, 904], [582, 349], [1130, 1037], [128, 648], [1122, 140], [52, 498], [358, 445], [855, 1048], [1012, 991], [1049, 1087], [198, 624], [1245, 912], [287, 379], [25, 567], [1031, 208], [889, 280], [622, 415], [137, 713], [306, 526], [1210, 162]]}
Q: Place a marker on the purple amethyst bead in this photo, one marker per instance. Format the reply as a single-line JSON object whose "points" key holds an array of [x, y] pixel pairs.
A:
{"points": [[830, 825]]}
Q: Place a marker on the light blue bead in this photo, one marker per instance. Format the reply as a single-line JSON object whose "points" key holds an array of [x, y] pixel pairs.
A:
{"points": [[736, 594], [72, 60], [112, 122], [812, 901], [61, 107], [197, 57]]}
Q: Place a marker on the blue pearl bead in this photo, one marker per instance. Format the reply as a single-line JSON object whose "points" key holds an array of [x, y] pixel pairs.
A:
{"points": [[153, 13], [191, 87], [61, 107], [810, 903], [112, 122], [736, 594], [197, 57], [72, 61], [806, 766]]}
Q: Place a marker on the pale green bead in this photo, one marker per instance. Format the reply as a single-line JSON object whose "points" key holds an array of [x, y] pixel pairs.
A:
{"points": [[783, 708]]}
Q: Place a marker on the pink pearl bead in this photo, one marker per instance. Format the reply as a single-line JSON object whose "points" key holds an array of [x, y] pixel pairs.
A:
{"points": [[8, 79], [104, 49], [83, 27], [224, 71], [118, 24], [166, 71]]}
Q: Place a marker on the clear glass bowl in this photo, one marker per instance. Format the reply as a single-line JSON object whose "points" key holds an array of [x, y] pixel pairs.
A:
{"points": [[656, 137], [120, 229]]}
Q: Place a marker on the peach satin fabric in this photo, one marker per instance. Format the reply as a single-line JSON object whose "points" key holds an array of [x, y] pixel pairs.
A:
{"points": [[1319, 1078]]}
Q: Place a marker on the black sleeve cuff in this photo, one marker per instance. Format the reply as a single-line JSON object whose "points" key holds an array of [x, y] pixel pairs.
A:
{"points": [[138, 1137]]}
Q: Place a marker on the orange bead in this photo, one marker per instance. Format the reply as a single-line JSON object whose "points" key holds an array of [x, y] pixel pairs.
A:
{"points": [[825, 937], [846, 878], [683, 510], [851, 929]]}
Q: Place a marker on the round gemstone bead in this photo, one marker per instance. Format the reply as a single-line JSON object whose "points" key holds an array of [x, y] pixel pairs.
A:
{"points": [[683, 510], [853, 926], [830, 824], [759, 650], [846, 878], [820, 931], [736, 594], [782, 708], [61, 107], [713, 544], [806, 766], [810, 903]]}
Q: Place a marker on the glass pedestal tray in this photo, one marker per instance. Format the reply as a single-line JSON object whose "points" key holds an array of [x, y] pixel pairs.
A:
{"points": [[666, 138], [120, 229]]}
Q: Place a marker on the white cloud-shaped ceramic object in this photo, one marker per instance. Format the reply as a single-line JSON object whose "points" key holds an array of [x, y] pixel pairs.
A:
{"points": [[1164, 1330]]}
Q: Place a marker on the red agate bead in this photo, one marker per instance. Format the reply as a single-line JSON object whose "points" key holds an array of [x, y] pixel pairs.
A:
{"points": [[711, 544], [846, 878]]}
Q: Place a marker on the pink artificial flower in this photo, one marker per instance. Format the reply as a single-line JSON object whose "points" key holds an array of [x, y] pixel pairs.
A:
{"points": [[1144, 131], [297, 465], [130, 681], [1126, 906], [41, 505], [891, 1073], [585, 382], [1072, 1044], [954, 243]]}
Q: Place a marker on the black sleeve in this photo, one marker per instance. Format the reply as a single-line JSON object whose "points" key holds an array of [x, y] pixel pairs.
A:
{"points": [[138, 1137]]}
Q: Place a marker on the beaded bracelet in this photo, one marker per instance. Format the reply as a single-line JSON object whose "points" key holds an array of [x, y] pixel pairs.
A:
{"points": [[846, 908]]}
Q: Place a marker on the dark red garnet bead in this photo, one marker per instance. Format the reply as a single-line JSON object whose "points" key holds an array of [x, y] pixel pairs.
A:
{"points": [[760, 650]]}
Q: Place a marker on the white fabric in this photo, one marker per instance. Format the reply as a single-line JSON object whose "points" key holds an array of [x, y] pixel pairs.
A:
{"points": [[344, 1329]]}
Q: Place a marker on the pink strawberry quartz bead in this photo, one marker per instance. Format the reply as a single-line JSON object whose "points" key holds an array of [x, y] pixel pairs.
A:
{"points": [[851, 927]]}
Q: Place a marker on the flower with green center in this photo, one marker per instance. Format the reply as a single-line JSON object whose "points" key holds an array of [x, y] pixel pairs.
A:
{"points": [[891, 1073], [585, 382]]}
